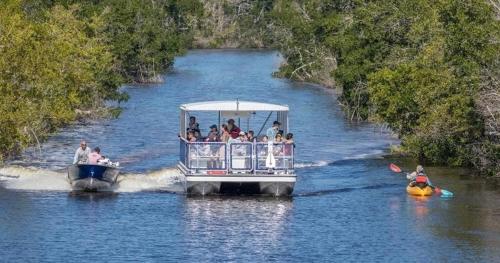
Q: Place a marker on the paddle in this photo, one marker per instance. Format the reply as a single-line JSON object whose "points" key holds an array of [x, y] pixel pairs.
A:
{"points": [[443, 192]]}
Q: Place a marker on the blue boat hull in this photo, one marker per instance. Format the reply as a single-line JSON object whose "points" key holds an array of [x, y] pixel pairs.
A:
{"points": [[92, 177]]}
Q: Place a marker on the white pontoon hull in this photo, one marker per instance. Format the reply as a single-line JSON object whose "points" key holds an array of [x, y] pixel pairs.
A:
{"points": [[275, 185]]}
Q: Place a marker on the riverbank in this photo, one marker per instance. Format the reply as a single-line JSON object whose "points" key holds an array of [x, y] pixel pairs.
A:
{"points": [[440, 97], [64, 60], [423, 84]]}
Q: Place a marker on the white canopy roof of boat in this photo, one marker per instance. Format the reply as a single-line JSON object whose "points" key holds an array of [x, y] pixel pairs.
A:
{"points": [[232, 106]]}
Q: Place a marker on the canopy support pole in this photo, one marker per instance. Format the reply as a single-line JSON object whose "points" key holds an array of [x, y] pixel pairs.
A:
{"points": [[220, 126], [265, 122]]}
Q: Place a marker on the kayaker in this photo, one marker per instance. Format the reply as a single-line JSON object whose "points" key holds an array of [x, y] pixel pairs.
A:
{"points": [[418, 177], [417, 172], [82, 153]]}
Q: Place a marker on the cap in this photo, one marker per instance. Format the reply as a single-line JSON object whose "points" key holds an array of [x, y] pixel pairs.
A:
{"points": [[276, 122], [242, 133], [213, 126]]}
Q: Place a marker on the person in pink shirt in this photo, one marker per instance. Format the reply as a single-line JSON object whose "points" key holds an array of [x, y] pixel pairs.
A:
{"points": [[95, 156]]}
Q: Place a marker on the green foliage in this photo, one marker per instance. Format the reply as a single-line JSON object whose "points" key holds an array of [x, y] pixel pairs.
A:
{"points": [[300, 30], [48, 68], [64, 58], [416, 65], [425, 68], [233, 23], [142, 37]]}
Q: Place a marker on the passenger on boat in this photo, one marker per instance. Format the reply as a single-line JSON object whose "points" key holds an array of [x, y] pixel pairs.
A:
{"points": [[193, 125], [278, 147], [213, 131], [250, 136], [243, 137], [191, 136], [278, 138], [289, 139], [234, 130], [225, 136], [239, 150], [265, 138], [289, 144], [212, 137], [198, 136], [418, 177], [82, 153], [95, 156], [238, 138], [271, 132], [213, 151]]}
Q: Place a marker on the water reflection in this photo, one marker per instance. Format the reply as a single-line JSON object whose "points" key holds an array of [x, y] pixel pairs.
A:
{"points": [[92, 196], [226, 226], [420, 205]]}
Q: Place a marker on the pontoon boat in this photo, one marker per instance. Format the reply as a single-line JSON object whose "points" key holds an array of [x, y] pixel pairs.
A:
{"points": [[236, 167]]}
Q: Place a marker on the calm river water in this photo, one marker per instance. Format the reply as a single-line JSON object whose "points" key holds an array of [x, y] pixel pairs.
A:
{"points": [[347, 205]]}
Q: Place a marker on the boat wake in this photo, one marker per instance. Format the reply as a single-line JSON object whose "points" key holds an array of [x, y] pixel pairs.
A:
{"points": [[30, 178], [162, 180], [346, 189], [37, 179], [364, 156], [299, 165]]}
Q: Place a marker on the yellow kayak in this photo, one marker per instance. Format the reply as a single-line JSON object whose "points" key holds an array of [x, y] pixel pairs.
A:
{"points": [[415, 190]]}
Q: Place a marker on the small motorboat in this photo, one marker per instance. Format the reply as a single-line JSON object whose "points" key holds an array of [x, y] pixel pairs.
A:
{"points": [[419, 191], [92, 177]]}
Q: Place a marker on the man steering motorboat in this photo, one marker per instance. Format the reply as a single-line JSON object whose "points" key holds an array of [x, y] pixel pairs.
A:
{"points": [[82, 154]]}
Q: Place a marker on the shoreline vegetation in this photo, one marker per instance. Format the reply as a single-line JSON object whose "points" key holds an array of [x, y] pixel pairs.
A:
{"points": [[429, 70]]}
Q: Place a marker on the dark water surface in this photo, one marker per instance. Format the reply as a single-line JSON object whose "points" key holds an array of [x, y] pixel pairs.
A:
{"points": [[347, 205]]}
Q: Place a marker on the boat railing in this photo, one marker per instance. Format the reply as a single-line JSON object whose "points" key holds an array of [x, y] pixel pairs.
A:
{"points": [[240, 156], [282, 153], [219, 158], [203, 155]]}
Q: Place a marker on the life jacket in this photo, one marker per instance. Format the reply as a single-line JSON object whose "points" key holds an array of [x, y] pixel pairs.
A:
{"points": [[421, 179]]}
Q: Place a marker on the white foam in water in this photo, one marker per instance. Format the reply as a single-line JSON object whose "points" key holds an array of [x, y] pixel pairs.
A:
{"points": [[370, 155], [157, 180], [30, 178], [36, 179], [311, 164]]}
